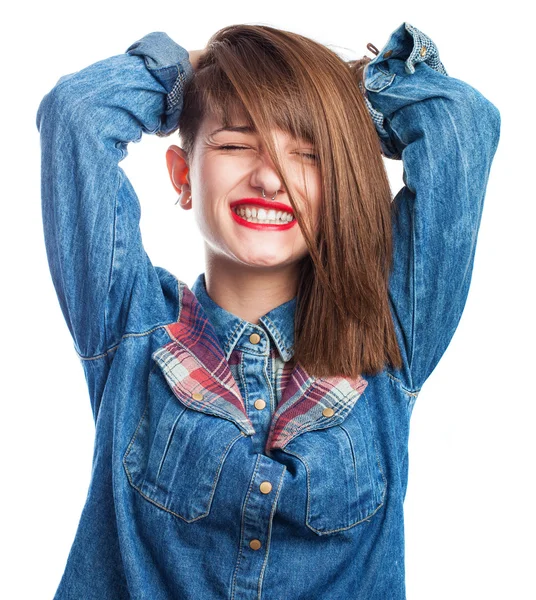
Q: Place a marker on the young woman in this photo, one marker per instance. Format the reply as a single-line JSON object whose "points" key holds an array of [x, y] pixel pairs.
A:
{"points": [[252, 432]]}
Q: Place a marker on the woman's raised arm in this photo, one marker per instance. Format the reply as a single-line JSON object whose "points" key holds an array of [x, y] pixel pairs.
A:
{"points": [[91, 213], [446, 133]]}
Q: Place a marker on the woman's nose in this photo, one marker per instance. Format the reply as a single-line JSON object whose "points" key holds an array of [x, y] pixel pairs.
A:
{"points": [[265, 176]]}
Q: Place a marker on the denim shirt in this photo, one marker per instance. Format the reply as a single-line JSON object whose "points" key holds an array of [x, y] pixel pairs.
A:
{"points": [[259, 365], [218, 471]]}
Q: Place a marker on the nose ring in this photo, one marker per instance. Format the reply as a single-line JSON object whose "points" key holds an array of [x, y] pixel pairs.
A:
{"points": [[264, 195]]}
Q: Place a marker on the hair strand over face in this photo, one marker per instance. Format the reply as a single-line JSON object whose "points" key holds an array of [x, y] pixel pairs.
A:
{"points": [[269, 78]]}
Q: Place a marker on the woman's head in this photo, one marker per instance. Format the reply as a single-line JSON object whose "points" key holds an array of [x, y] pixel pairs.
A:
{"points": [[229, 164], [309, 138]]}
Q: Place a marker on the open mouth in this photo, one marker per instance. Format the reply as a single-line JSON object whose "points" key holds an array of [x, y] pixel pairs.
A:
{"points": [[258, 213], [254, 214], [263, 219]]}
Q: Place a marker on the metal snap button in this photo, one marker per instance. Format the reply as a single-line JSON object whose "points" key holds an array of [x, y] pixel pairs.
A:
{"points": [[197, 396], [423, 51], [254, 338], [328, 412], [259, 404], [265, 487], [255, 544], [388, 54]]}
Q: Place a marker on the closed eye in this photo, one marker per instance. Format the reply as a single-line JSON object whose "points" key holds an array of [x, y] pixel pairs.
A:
{"points": [[307, 155], [230, 147], [311, 156]]}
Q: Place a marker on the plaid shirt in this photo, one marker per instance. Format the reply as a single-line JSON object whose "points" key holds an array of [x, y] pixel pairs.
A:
{"points": [[218, 471]]}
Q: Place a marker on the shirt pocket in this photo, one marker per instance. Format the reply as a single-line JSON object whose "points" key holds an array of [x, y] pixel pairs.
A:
{"points": [[346, 481], [176, 454]]}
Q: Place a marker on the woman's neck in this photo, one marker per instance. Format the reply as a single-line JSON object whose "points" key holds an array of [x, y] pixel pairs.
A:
{"points": [[249, 293]]}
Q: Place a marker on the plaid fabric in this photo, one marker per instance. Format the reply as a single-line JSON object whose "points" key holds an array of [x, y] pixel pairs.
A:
{"points": [[424, 50], [200, 376], [303, 399], [175, 96], [195, 368]]}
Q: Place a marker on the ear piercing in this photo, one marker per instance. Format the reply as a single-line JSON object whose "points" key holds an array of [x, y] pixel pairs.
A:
{"points": [[184, 203]]}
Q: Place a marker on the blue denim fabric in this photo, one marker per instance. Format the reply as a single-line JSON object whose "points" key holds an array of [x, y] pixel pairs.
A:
{"points": [[197, 492], [231, 329], [256, 368]]}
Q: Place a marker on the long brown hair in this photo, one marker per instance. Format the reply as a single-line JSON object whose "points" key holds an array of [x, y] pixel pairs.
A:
{"points": [[279, 79]]}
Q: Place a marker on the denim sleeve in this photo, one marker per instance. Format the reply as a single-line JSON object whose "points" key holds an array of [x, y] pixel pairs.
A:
{"points": [[446, 134], [91, 214]]}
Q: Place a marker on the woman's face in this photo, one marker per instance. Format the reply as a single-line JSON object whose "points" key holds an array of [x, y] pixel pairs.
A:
{"points": [[231, 165]]}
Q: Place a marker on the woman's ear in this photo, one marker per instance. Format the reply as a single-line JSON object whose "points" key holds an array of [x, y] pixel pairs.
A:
{"points": [[178, 168]]}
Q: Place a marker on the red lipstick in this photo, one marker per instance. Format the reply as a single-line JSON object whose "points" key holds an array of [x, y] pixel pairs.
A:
{"points": [[263, 204], [267, 204]]}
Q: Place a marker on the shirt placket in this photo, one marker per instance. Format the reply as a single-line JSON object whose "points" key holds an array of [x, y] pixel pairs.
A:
{"points": [[252, 355], [256, 527]]}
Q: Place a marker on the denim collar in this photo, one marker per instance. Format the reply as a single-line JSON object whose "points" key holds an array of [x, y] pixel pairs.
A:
{"points": [[278, 323]]}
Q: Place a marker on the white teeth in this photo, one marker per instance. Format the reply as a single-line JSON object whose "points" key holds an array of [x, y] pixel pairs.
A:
{"points": [[257, 215]]}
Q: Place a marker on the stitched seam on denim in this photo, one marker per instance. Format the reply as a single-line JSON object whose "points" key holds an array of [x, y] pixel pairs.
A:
{"points": [[269, 534], [376, 450], [97, 356], [152, 501], [267, 377], [307, 481], [414, 290], [223, 458], [243, 378], [241, 554], [352, 449], [274, 330], [386, 73], [414, 265], [111, 267], [415, 393], [270, 367], [142, 334], [129, 447], [368, 517], [233, 338], [168, 443], [180, 288]]}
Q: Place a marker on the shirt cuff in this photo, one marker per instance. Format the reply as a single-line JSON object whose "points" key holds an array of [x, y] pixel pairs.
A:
{"points": [[170, 64], [406, 43]]}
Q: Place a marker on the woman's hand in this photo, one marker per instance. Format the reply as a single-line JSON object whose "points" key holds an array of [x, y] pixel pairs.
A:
{"points": [[194, 56]]}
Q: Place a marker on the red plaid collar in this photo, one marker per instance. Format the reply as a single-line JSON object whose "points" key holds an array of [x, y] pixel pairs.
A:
{"points": [[198, 373]]}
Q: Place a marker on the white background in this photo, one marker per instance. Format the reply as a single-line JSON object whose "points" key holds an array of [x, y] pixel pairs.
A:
{"points": [[470, 507]]}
